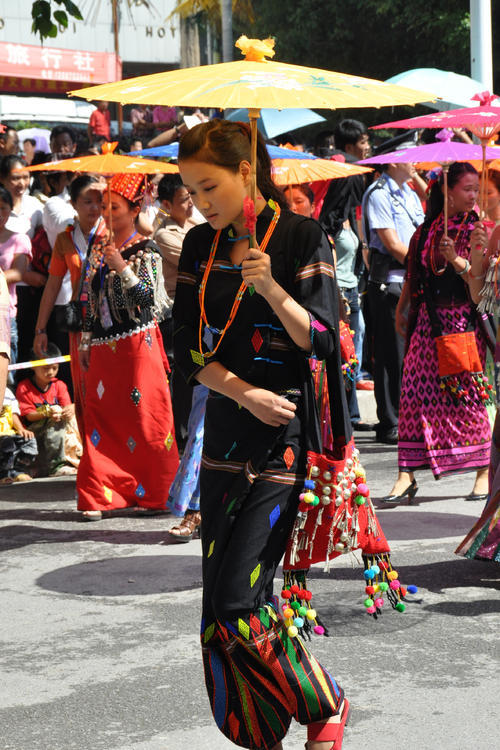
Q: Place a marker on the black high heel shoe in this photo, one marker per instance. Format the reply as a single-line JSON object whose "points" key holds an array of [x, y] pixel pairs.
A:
{"points": [[409, 492]]}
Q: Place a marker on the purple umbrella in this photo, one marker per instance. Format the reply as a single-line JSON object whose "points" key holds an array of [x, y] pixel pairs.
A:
{"points": [[441, 153]]}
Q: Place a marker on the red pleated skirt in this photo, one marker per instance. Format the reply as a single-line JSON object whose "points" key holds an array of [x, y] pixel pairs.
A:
{"points": [[130, 455]]}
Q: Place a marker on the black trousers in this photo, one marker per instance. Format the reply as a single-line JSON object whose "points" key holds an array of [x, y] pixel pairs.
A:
{"points": [[388, 351]]}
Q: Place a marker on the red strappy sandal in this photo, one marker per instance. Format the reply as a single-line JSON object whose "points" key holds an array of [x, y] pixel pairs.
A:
{"points": [[321, 732]]}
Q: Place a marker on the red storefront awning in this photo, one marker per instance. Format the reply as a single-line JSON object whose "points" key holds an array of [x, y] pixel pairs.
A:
{"points": [[50, 65]]}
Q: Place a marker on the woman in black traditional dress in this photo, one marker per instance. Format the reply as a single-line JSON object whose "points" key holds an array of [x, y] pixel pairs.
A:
{"points": [[266, 310]]}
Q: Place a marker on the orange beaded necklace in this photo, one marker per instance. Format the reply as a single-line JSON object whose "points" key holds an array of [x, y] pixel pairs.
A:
{"points": [[239, 294]]}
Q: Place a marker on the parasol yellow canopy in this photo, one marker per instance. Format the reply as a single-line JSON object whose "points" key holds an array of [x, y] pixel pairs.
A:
{"points": [[255, 83], [298, 171], [106, 163]]}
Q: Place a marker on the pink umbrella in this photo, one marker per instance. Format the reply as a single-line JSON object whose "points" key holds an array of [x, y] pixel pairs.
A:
{"points": [[482, 121], [441, 153]]}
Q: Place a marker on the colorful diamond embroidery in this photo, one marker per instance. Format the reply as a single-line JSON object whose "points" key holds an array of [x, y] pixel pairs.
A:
{"points": [[169, 441], [243, 628], [108, 493], [257, 340], [100, 389], [234, 725], [197, 358], [230, 507], [140, 491], [136, 396], [231, 449], [112, 346], [274, 515], [318, 326], [211, 548], [264, 618], [148, 339], [251, 291], [288, 457], [254, 575], [95, 438], [131, 444], [209, 632]]}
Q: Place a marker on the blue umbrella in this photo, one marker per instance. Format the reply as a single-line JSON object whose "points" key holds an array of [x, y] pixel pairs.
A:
{"points": [[455, 90], [171, 151], [272, 122]]}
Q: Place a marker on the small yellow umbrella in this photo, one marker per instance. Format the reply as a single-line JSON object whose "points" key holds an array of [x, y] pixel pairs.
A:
{"points": [[107, 164], [255, 83], [298, 171]]}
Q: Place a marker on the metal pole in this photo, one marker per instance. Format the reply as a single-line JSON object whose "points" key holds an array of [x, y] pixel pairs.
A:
{"points": [[481, 56], [116, 35], [226, 9]]}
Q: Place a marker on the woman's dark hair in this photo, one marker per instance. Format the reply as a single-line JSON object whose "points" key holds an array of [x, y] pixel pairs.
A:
{"points": [[79, 184], [304, 189], [168, 186], [226, 144], [494, 177], [435, 201], [7, 165], [5, 196], [30, 140]]}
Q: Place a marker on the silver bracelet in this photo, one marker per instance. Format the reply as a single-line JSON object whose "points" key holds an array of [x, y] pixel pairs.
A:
{"points": [[465, 270], [128, 278], [85, 340]]}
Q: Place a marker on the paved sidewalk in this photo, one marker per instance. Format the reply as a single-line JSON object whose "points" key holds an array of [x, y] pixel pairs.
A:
{"points": [[99, 629]]}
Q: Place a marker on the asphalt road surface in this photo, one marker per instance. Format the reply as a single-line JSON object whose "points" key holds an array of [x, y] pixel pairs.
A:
{"points": [[99, 628]]}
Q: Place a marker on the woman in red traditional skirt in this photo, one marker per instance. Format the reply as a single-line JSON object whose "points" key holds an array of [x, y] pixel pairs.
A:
{"points": [[130, 455]]}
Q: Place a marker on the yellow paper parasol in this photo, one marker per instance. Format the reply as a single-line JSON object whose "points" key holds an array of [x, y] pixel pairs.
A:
{"points": [[106, 163], [255, 83], [297, 171]]}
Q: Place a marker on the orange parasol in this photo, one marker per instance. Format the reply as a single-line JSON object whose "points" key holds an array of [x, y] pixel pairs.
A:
{"points": [[106, 164], [297, 171]]}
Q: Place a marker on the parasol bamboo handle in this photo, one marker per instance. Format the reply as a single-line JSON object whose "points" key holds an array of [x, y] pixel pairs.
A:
{"points": [[253, 116], [110, 222], [445, 198], [482, 189]]}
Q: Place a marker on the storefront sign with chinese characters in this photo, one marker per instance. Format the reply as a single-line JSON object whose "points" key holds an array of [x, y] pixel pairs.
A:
{"points": [[51, 64]]}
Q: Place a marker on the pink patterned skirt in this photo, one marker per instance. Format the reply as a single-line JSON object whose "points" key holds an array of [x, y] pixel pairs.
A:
{"points": [[435, 433]]}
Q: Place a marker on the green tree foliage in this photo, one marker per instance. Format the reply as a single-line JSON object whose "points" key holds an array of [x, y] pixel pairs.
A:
{"points": [[373, 38], [46, 19]]}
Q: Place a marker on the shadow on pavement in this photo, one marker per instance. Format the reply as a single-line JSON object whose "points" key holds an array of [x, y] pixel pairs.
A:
{"points": [[421, 524], [434, 576], [16, 536], [465, 609], [126, 576]]}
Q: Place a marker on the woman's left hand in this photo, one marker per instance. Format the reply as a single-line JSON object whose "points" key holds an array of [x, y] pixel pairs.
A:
{"points": [[256, 271], [478, 238], [447, 248], [113, 258]]}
